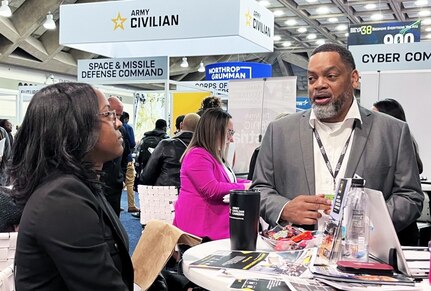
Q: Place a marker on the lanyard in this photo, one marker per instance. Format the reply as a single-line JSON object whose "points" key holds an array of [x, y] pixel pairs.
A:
{"points": [[325, 156]]}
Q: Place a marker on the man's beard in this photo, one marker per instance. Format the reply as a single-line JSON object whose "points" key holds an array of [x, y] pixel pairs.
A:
{"points": [[331, 109]]}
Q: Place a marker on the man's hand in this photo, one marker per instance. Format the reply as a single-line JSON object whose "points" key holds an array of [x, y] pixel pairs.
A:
{"points": [[303, 209]]}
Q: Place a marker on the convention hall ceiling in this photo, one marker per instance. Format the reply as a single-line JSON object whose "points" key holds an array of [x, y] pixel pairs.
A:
{"points": [[300, 25]]}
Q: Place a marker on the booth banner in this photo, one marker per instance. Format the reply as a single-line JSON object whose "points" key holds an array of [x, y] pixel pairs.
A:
{"points": [[176, 28], [381, 57], [215, 87], [150, 107], [253, 104], [124, 70], [384, 33], [237, 70]]}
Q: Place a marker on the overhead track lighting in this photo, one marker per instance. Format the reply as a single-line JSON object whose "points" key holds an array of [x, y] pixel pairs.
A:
{"points": [[201, 67], [49, 22], [5, 9], [184, 63]]}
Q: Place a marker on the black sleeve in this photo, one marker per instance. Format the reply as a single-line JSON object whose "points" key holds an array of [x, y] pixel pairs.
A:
{"points": [[152, 169]]}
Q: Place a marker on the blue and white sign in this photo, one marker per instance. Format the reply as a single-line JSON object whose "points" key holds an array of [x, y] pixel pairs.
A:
{"points": [[237, 70], [302, 103], [384, 33]]}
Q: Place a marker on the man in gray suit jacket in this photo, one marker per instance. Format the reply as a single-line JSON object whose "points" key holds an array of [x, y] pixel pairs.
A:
{"points": [[302, 155]]}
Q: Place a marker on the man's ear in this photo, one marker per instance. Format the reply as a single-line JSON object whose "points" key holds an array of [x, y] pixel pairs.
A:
{"points": [[355, 79]]}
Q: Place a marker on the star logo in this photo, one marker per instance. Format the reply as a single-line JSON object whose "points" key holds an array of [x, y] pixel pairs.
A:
{"points": [[119, 21], [248, 18]]}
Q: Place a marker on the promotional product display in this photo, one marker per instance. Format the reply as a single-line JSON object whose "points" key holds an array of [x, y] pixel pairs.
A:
{"points": [[244, 206]]}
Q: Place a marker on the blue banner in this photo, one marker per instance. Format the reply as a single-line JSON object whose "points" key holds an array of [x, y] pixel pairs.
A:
{"points": [[237, 70], [384, 33]]}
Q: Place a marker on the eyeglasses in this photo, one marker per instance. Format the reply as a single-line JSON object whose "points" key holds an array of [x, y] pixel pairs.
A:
{"points": [[108, 114], [230, 132]]}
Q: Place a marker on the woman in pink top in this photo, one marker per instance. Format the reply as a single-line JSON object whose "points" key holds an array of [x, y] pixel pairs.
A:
{"points": [[206, 178]]}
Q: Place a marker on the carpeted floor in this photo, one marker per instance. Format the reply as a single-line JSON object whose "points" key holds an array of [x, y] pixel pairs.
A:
{"points": [[131, 224]]}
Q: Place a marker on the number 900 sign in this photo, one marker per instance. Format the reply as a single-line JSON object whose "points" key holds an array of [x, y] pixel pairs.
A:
{"points": [[398, 38]]}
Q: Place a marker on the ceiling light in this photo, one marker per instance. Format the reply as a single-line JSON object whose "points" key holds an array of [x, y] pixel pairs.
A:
{"points": [[377, 16], [49, 22], [264, 3], [421, 2], [311, 36], [346, 34], [276, 38], [370, 6], [184, 63], [428, 29], [426, 21], [424, 13], [278, 12], [320, 41], [301, 29], [291, 22], [287, 43], [333, 19], [5, 9], [322, 10], [341, 27], [201, 67], [311, 1], [428, 35]]}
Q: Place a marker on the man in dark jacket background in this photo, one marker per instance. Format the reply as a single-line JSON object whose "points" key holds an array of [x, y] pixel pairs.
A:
{"points": [[163, 167]]}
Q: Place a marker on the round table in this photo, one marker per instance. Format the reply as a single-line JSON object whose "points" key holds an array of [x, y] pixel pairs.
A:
{"points": [[213, 279], [207, 278]]}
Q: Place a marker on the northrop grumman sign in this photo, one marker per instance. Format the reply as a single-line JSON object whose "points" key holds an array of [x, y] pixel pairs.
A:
{"points": [[130, 70]]}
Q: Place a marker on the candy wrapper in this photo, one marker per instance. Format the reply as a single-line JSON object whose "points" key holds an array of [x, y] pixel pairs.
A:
{"points": [[286, 238]]}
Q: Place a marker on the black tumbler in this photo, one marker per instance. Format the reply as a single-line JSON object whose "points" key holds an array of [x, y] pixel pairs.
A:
{"points": [[244, 207]]}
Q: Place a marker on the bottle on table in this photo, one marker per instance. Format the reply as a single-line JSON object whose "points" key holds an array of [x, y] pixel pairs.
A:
{"points": [[357, 223]]}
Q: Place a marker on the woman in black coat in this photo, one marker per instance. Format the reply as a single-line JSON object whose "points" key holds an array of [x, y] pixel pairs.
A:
{"points": [[69, 237]]}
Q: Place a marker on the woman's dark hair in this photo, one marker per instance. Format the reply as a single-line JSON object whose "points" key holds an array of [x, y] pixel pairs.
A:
{"points": [[60, 128], [209, 102], [210, 132], [391, 107]]}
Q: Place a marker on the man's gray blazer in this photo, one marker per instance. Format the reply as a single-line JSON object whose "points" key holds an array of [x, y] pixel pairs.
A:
{"points": [[382, 153]]}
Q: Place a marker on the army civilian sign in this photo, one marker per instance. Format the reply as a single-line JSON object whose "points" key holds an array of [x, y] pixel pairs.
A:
{"points": [[122, 70]]}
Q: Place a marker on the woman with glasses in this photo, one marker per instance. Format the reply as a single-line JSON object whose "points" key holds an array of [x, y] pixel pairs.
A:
{"points": [[206, 178], [69, 238]]}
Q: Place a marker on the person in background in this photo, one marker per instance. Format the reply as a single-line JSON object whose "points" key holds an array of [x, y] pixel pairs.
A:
{"points": [[209, 102], [303, 154], [393, 108], [163, 167], [7, 125], [113, 177], [4, 155], [10, 213], [69, 237], [206, 178], [129, 174], [178, 122]]}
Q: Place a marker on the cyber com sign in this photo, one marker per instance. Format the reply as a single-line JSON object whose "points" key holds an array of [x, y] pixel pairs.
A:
{"points": [[123, 70]]}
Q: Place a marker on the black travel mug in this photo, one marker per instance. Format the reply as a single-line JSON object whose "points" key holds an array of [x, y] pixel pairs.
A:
{"points": [[244, 208]]}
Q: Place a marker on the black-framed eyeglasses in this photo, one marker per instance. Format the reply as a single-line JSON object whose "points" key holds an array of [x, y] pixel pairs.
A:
{"points": [[230, 132], [108, 114]]}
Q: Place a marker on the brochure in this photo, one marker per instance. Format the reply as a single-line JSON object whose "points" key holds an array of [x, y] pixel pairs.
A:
{"points": [[367, 287], [288, 263], [290, 284], [334, 274]]}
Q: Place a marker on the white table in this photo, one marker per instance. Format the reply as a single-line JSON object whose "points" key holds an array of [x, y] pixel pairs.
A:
{"points": [[212, 279], [206, 278]]}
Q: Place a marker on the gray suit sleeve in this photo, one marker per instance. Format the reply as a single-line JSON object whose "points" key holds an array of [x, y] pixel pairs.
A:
{"points": [[264, 180], [405, 203]]}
